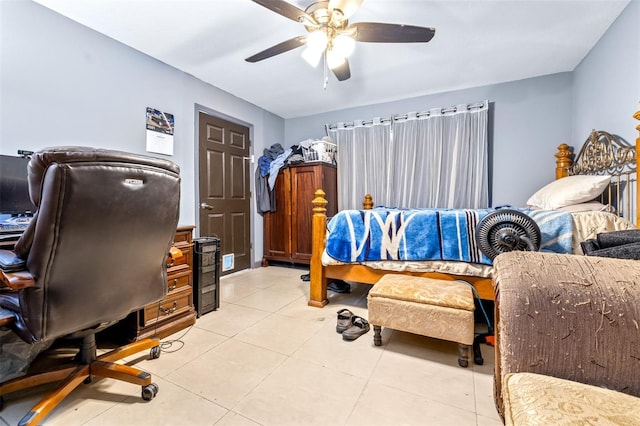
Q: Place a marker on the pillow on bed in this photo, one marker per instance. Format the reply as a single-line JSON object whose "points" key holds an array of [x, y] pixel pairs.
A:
{"points": [[569, 190]]}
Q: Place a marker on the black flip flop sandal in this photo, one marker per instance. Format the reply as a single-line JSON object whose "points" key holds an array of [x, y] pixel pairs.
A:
{"points": [[359, 326]]}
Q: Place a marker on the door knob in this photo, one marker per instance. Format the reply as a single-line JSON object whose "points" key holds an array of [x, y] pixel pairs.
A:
{"points": [[206, 206]]}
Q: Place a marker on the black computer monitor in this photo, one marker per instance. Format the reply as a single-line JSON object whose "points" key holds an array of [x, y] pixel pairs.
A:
{"points": [[14, 186]]}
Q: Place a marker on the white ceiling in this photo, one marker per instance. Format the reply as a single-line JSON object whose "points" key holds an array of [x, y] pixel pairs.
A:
{"points": [[477, 42]]}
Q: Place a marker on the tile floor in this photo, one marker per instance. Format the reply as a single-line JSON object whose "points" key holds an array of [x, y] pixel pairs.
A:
{"points": [[266, 358]]}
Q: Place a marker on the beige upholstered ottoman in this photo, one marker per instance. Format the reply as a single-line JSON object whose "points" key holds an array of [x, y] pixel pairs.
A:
{"points": [[535, 399], [429, 307]]}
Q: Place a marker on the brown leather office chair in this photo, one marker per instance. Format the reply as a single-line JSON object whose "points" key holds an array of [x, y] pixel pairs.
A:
{"points": [[95, 250]]}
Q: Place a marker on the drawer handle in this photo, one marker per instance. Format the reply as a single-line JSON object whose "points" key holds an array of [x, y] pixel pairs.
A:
{"points": [[170, 310], [175, 285]]}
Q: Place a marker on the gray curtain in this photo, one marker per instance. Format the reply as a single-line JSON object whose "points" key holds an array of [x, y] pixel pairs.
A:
{"points": [[437, 158]]}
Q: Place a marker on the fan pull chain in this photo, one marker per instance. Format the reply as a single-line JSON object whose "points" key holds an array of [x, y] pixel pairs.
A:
{"points": [[325, 69]]}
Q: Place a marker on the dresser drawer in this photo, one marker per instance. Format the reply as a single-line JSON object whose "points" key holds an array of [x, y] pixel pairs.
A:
{"points": [[176, 303], [183, 236], [183, 262], [179, 279]]}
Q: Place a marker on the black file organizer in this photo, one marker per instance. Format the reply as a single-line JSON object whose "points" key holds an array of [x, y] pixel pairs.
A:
{"points": [[206, 274]]}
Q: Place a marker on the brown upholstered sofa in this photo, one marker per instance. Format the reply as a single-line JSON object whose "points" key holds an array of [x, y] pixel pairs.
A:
{"points": [[570, 317]]}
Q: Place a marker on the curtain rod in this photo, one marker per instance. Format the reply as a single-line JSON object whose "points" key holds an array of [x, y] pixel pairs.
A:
{"points": [[399, 117]]}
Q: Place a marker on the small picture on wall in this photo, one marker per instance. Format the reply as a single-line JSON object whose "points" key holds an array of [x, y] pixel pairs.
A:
{"points": [[160, 127]]}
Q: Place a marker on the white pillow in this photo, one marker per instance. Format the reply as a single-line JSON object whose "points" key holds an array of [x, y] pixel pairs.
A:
{"points": [[569, 190]]}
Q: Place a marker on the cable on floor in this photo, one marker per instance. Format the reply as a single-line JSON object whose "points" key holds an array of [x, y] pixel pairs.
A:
{"points": [[165, 346]]}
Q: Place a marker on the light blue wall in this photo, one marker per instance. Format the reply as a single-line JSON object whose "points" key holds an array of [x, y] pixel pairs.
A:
{"points": [[606, 86], [528, 120], [64, 84]]}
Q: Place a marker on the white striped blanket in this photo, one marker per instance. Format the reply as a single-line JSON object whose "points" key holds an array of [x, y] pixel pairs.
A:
{"points": [[428, 234]]}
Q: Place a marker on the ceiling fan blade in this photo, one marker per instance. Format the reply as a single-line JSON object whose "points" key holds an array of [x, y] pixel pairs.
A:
{"points": [[285, 9], [342, 72], [376, 32], [279, 48], [348, 7]]}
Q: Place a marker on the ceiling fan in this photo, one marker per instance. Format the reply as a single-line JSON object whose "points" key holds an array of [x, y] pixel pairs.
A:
{"points": [[330, 36]]}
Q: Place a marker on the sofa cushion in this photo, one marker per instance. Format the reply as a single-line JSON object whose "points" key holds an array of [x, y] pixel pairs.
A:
{"points": [[535, 399]]}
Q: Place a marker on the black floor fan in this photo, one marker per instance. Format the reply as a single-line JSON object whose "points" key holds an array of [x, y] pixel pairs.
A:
{"points": [[501, 231]]}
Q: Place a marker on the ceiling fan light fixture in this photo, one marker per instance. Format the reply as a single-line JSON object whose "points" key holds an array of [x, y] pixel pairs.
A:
{"points": [[331, 36], [317, 40], [343, 45], [312, 56]]}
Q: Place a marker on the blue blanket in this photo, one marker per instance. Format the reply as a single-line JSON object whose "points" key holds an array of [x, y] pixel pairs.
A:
{"points": [[428, 234]]}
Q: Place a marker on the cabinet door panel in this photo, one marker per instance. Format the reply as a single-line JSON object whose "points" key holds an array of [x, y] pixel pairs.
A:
{"points": [[304, 182], [277, 225]]}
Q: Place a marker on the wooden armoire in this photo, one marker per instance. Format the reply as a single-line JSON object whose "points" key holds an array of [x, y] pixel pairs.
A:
{"points": [[287, 231]]}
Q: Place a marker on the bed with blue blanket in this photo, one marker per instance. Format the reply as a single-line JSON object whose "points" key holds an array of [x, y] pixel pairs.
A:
{"points": [[363, 245], [382, 234]]}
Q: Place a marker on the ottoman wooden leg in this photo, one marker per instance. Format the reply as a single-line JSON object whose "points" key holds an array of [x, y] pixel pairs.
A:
{"points": [[463, 355], [377, 338]]}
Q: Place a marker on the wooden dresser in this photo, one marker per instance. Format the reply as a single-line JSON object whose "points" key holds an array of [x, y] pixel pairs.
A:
{"points": [[287, 231], [176, 311]]}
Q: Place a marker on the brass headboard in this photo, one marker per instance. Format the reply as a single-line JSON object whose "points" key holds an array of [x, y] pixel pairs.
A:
{"points": [[605, 154]]}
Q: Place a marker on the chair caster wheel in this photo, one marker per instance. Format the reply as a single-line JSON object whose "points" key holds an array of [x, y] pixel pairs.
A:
{"points": [[155, 352], [463, 363], [150, 391]]}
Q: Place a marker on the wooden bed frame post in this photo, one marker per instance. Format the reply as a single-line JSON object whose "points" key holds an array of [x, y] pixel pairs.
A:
{"points": [[563, 161], [367, 203], [318, 293]]}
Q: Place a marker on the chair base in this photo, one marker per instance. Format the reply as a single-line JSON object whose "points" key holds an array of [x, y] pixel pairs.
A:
{"points": [[72, 376]]}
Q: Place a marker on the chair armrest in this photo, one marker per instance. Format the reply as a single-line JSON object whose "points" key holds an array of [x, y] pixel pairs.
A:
{"points": [[13, 273], [17, 280], [572, 317]]}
